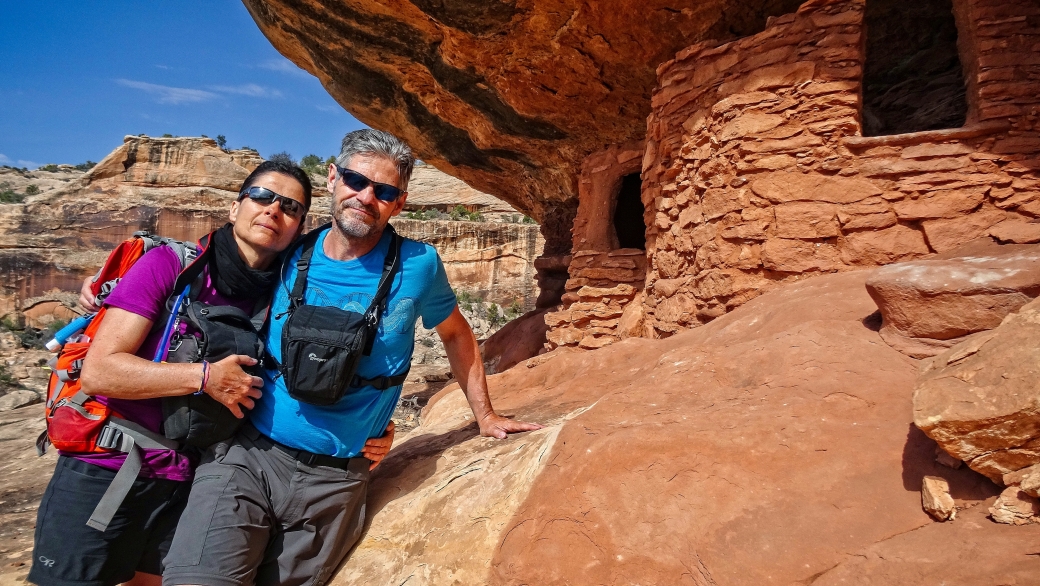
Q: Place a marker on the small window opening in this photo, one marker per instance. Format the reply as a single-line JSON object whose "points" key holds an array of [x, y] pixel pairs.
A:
{"points": [[628, 214], [913, 79]]}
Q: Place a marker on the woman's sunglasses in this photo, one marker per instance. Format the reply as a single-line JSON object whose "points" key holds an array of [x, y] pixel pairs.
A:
{"points": [[359, 182], [264, 196]]}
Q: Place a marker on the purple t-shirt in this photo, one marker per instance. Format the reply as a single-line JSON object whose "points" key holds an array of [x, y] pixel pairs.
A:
{"points": [[144, 291]]}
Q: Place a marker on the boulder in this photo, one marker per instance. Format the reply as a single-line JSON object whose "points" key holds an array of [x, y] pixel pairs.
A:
{"points": [[1028, 479], [1015, 507], [978, 399], [518, 340], [928, 305], [936, 499], [18, 398]]}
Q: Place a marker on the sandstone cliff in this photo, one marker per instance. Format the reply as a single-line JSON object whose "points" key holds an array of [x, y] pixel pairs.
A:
{"points": [[183, 187]]}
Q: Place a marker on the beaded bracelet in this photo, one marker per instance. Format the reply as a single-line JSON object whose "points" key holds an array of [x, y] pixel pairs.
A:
{"points": [[205, 378]]}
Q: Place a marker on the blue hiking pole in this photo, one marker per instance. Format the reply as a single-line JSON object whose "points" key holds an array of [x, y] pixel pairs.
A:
{"points": [[164, 342]]}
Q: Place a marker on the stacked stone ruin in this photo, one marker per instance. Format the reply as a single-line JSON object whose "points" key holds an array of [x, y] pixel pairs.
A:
{"points": [[755, 171]]}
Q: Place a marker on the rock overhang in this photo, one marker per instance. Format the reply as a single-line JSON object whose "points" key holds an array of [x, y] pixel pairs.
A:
{"points": [[509, 96]]}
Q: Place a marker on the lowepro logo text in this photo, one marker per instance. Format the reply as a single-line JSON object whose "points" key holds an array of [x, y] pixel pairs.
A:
{"points": [[314, 358]]}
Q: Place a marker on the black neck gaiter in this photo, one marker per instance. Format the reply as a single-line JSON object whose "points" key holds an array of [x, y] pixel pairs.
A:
{"points": [[232, 276]]}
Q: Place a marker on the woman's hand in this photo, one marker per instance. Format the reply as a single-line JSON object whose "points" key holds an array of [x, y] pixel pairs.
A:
{"points": [[86, 296], [233, 387]]}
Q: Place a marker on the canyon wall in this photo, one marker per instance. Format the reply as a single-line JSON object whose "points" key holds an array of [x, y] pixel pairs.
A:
{"points": [[177, 187], [182, 188], [755, 171], [492, 260]]}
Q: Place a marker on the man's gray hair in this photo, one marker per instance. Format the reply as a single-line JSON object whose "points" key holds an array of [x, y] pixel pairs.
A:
{"points": [[368, 141]]}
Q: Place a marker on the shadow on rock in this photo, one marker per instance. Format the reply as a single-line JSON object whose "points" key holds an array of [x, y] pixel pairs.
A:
{"points": [[873, 321], [919, 461], [410, 465]]}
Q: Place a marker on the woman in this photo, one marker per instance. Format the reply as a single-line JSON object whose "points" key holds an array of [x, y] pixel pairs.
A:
{"points": [[267, 217]]}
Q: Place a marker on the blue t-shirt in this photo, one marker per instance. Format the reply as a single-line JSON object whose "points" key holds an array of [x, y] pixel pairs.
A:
{"points": [[420, 289]]}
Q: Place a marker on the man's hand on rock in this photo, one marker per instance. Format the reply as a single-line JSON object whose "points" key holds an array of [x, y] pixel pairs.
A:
{"points": [[494, 425], [376, 448]]}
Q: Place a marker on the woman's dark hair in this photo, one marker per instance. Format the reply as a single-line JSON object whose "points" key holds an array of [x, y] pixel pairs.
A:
{"points": [[285, 168]]}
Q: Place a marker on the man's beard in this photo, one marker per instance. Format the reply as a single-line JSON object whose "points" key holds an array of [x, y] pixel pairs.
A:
{"points": [[350, 225]]}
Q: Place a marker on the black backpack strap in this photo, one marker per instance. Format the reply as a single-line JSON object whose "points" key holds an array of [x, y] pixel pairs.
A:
{"points": [[390, 264], [260, 311], [381, 382], [378, 306], [191, 271], [303, 265]]}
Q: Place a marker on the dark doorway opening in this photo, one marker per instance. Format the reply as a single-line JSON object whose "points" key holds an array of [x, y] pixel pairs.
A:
{"points": [[913, 79], [628, 214]]}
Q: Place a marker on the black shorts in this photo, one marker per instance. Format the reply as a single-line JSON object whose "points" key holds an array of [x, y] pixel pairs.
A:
{"points": [[68, 553]]}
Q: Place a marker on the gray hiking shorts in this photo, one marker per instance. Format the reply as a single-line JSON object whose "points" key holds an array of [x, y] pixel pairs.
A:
{"points": [[258, 515]]}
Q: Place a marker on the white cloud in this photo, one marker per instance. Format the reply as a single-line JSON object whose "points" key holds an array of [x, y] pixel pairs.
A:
{"points": [[249, 89], [167, 94], [5, 160], [284, 66]]}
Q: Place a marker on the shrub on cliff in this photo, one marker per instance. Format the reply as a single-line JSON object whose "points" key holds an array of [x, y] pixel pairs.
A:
{"points": [[315, 166], [32, 338], [461, 213], [87, 166], [425, 215], [516, 309], [8, 195], [32, 189], [49, 168]]}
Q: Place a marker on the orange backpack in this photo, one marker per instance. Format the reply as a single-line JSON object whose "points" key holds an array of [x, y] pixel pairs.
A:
{"points": [[77, 422]]}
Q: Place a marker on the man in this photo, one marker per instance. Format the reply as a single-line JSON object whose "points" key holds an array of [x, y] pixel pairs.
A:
{"points": [[283, 502]]}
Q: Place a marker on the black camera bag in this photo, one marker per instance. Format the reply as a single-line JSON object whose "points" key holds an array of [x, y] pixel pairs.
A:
{"points": [[322, 345], [200, 420]]}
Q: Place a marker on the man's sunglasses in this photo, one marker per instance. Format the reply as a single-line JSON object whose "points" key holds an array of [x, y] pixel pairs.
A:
{"points": [[359, 182], [264, 196]]}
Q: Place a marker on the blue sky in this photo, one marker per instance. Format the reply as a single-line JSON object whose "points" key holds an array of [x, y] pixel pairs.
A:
{"points": [[75, 77]]}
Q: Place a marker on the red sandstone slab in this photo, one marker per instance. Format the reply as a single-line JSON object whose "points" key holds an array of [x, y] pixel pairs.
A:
{"points": [[967, 290]]}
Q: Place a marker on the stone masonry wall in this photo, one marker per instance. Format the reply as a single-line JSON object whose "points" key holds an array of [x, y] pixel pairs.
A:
{"points": [[755, 173], [604, 279]]}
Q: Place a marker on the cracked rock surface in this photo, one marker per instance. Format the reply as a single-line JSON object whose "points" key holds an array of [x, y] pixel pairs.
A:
{"points": [[774, 445]]}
